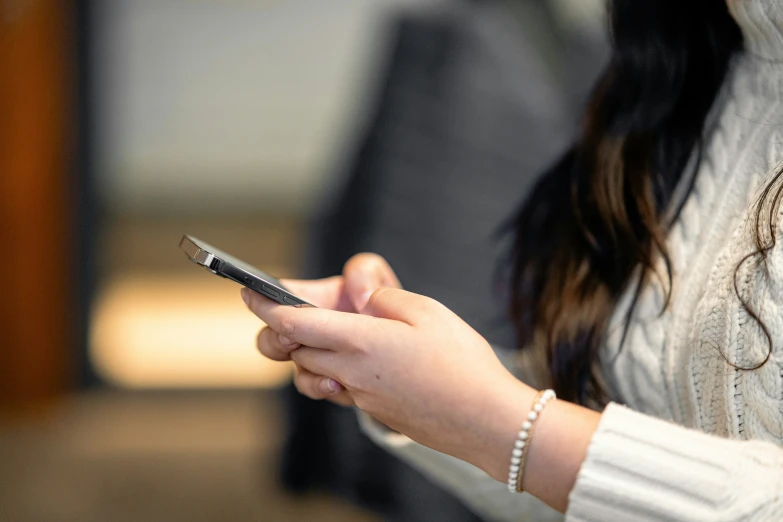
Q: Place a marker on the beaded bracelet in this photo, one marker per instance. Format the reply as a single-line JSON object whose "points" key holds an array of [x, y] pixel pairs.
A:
{"points": [[522, 444]]}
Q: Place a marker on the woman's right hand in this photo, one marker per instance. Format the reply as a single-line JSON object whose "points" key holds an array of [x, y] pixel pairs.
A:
{"points": [[362, 275]]}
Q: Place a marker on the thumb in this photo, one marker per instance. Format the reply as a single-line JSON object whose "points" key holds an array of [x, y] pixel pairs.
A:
{"points": [[363, 274]]}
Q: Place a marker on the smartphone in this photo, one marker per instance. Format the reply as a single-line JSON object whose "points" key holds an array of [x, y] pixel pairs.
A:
{"points": [[225, 265]]}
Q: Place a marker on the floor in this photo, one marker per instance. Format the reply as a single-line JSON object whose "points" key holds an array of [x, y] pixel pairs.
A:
{"points": [[153, 456]]}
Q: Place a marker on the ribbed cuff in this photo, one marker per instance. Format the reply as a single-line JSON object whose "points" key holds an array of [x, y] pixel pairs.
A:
{"points": [[482, 494], [639, 468]]}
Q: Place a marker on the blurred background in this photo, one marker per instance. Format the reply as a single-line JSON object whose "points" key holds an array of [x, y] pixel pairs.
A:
{"points": [[293, 134]]}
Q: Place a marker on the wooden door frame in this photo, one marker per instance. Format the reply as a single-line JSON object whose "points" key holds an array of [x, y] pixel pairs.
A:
{"points": [[36, 199]]}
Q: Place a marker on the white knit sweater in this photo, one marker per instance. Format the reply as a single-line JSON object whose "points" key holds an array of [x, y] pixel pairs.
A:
{"points": [[699, 439]]}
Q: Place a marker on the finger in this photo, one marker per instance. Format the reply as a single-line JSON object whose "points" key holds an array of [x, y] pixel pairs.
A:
{"points": [[274, 346], [399, 305], [325, 363], [324, 293], [343, 399], [365, 273], [316, 386], [319, 327]]}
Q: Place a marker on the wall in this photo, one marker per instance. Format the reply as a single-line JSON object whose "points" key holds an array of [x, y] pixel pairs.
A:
{"points": [[231, 105]]}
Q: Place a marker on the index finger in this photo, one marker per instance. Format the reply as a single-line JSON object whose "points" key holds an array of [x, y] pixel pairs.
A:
{"points": [[363, 274], [319, 327]]}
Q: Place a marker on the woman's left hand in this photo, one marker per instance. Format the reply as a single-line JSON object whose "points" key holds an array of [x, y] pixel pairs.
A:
{"points": [[413, 365]]}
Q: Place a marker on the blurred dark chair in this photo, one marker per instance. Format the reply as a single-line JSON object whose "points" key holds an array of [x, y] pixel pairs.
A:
{"points": [[469, 112]]}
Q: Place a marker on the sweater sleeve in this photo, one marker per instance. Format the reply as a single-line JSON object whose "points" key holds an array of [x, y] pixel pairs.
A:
{"points": [[481, 493], [644, 469]]}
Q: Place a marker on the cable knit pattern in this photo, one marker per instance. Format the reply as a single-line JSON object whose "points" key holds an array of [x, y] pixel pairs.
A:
{"points": [[701, 437], [664, 472], [689, 365]]}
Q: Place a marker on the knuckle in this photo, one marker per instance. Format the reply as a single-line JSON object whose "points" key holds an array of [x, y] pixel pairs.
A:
{"points": [[323, 323], [288, 327], [364, 261]]}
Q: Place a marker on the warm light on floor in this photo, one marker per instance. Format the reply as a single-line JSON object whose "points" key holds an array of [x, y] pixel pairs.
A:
{"points": [[186, 332]]}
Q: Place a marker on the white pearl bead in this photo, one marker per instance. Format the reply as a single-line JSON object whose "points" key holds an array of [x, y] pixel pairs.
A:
{"points": [[520, 443]]}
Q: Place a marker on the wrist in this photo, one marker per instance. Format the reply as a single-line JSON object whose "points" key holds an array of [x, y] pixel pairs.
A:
{"points": [[563, 432], [509, 405]]}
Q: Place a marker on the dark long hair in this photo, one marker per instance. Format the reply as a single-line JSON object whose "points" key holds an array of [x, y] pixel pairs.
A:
{"points": [[597, 220]]}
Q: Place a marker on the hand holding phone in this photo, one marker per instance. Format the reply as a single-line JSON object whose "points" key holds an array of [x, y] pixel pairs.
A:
{"points": [[362, 275]]}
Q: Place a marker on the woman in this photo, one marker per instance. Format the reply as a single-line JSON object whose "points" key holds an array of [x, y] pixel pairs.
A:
{"points": [[646, 271]]}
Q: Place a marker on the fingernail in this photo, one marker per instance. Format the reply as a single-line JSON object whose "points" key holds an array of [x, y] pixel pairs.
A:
{"points": [[245, 296], [334, 386], [285, 340], [365, 297]]}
